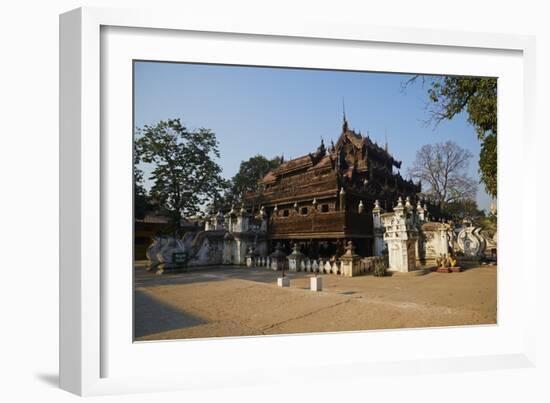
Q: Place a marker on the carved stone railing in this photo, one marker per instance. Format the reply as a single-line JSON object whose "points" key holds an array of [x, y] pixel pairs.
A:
{"points": [[329, 266]]}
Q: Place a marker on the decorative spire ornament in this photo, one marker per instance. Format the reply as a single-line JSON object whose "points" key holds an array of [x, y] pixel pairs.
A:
{"points": [[345, 122]]}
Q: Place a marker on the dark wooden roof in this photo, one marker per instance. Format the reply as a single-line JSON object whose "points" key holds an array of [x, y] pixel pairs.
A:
{"points": [[325, 171]]}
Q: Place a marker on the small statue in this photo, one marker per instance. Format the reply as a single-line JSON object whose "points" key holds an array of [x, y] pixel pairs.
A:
{"points": [[452, 262], [447, 264]]}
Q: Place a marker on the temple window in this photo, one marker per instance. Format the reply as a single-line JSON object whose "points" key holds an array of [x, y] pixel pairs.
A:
{"points": [[303, 211], [324, 208], [286, 213]]}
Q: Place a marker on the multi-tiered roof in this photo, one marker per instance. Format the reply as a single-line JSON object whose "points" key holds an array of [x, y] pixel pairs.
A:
{"points": [[355, 163]]}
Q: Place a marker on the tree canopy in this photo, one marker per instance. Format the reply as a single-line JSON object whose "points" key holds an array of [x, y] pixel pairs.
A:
{"points": [[250, 172], [442, 170], [141, 200], [477, 96], [185, 174], [461, 210], [246, 179]]}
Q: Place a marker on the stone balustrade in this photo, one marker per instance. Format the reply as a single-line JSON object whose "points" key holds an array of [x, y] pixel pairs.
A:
{"points": [[329, 266]]}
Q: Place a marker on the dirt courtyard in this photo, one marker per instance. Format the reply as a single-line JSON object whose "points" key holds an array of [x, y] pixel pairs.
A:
{"points": [[238, 301]]}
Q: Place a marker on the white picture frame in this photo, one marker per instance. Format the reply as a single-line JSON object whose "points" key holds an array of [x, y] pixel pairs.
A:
{"points": [[91, 345]]}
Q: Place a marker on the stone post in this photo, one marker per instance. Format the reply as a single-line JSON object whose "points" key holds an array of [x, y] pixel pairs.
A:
{"points": [[350, 261], [295, 259], [251, 257], [283, 282], [316, 283], [278, 258]]}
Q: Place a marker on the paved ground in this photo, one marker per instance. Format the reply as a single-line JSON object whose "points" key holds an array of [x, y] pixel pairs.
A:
{"points": [[237, 301]]}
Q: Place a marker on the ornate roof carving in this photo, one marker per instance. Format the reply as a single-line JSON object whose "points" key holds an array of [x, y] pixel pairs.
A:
{"points": [[354, 162]]}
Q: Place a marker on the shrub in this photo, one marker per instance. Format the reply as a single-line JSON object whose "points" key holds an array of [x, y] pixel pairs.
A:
{"points": [[379, 269]]}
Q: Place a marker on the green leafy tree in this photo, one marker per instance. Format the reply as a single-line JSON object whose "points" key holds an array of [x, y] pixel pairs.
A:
{"points": [[442, 170], [488, 223], [464, 209], [250, 172], [477, 96], [246, 179], [142, 202], [185, 174]]}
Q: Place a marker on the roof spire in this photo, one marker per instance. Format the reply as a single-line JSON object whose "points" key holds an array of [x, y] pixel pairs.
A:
{"points": [[386, 137], [345, 122]]}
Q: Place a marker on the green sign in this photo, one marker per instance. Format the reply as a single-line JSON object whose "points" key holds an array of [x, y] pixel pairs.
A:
{"points": [[179, 258]]}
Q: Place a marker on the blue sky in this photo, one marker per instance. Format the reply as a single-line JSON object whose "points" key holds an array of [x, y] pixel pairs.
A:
{"points": [[271, 111]]}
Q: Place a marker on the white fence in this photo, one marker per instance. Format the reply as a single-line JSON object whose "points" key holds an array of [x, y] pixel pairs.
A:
{"points": [[326, 266]]}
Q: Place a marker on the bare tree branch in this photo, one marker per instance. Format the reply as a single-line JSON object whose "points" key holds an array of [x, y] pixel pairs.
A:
{"points": [[442, 170]]}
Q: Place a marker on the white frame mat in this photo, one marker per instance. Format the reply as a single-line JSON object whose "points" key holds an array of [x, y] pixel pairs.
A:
{"points": [[97, 355]]}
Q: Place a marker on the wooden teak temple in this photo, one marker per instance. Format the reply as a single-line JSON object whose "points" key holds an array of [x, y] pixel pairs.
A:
{"points": [[324, 199]]}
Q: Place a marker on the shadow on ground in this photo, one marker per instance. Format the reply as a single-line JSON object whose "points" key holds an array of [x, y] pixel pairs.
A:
{"points": [[144, 278], [156, 316]]}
